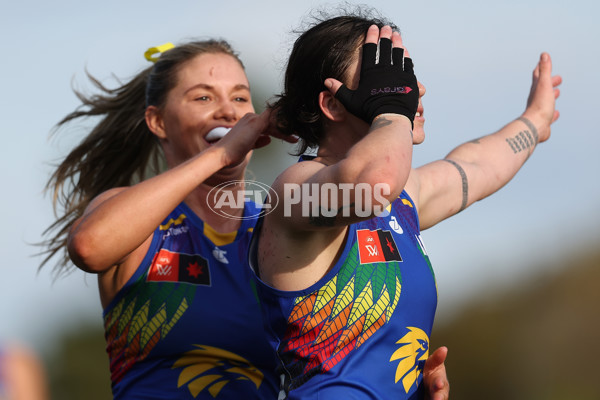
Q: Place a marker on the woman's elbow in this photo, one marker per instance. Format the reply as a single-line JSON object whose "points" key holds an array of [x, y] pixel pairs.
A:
{"points": [[82, 254]]}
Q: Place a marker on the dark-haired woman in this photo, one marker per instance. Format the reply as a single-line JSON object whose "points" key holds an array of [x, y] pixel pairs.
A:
{"points": [[347, 287]]}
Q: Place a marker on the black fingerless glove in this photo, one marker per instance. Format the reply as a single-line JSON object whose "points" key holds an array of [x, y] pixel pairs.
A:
{"points": [[383, 87]]}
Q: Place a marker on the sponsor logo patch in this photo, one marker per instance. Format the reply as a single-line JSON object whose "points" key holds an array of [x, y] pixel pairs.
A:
{"points": [[170, 266], [376, 246]]}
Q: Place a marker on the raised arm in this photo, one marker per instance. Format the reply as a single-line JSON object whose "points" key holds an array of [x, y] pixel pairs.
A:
{"points": [[122, 219], [478, 168], [363, 162], [359, 163]]}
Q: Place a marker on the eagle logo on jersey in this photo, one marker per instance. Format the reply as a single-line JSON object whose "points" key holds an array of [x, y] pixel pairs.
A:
{"points": [[210, 368], [412, 354]]}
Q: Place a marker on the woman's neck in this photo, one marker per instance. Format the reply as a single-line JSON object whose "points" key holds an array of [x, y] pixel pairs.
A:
{"points": [[336, 143]]}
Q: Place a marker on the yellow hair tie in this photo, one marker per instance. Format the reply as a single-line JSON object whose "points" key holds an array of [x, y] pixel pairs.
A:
{"points": [[158, 49]]}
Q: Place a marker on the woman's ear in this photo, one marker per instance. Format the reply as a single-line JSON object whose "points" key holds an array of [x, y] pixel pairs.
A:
{"points": [[155, 122], [331, 107]]}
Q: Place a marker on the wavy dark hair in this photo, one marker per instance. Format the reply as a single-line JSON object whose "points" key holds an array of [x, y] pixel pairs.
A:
{"points": [[120, 150], [326, 49]]}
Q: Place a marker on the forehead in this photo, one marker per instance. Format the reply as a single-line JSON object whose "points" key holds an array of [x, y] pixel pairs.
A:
{"points": [[213, 69]]}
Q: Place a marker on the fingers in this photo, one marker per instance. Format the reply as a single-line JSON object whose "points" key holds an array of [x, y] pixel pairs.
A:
{"points": [[397, 39], [369, 55], [385, 45], [545, 64], [437, 358], [543, 70], [556, 80], [397, 42], [544, 67], [369, 49], [262, 141], [434, 375], [383, 36], [398, 49], [400, 55], [536, 72], [385, 51], [397, 56], [272, 130], [385, 32], [372, 34], [390, 47], [333, 85]]}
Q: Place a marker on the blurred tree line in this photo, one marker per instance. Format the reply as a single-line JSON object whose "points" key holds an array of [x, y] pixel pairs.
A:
{"points": [[78, 366], [536, 341]]}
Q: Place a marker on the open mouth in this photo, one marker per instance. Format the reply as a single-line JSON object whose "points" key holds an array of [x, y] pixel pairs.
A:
{"points": [[216, 134], [419, 113]]}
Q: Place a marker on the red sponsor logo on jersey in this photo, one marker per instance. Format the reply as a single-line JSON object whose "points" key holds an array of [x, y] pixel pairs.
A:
{"points": [[169, 266], [376, 246]]}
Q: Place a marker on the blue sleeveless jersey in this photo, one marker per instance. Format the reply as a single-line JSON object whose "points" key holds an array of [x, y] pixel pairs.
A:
{"points": [[362, 331], [188, 325]]}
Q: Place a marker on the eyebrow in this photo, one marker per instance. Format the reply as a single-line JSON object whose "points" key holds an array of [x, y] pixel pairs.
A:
{"points": [[240, 86]]}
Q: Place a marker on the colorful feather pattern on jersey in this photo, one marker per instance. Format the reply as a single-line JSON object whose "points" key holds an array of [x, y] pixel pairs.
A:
{"points": [[326, 325], [140, 320]]}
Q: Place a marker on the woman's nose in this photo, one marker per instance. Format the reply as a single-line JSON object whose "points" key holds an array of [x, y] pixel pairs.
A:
{"points": [[226, 110], [421, 89]]}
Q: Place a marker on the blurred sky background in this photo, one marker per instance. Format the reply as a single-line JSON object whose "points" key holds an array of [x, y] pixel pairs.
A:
{"points": [[475, 58]]}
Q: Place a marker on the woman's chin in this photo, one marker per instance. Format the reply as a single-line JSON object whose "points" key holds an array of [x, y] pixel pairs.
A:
{"points": [[418, 134]]}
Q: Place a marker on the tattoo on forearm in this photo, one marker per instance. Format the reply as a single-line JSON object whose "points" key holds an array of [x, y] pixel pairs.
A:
{"points": [[380, 123], [465, 183], [531, 127], [524, 140]]}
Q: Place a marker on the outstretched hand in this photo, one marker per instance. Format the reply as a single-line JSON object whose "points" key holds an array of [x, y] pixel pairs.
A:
{"points": [[434, 376], [541, 104], [387, 83]]}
